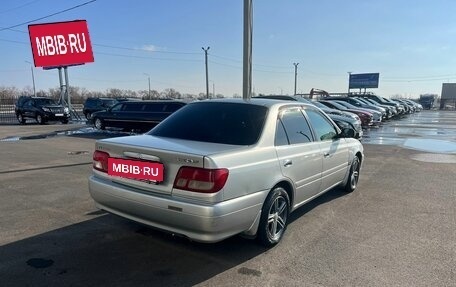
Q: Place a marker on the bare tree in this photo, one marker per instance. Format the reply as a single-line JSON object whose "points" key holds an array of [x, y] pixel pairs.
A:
{"points": [[170, 94], [114, 93]]}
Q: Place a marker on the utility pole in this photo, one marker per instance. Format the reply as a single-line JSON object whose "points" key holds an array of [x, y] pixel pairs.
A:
{"points": [[33, 78], [148, 78], [207, 72], [213, 89], [247, 62], [296, 76]]}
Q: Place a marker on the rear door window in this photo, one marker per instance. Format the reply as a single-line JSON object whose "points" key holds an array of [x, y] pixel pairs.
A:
{"points": [[323, 128], [296, 127], [280, 136]]}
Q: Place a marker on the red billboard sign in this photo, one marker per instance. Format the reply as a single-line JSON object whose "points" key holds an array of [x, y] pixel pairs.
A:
{"points": [[61, 43]]}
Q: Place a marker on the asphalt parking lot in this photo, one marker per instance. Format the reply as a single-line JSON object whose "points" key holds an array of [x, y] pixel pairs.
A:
{"points": [[397, 229]]}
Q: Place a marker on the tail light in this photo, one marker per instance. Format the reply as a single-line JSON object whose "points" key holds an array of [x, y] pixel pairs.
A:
{"points": [[201, 179], [100, 160]]}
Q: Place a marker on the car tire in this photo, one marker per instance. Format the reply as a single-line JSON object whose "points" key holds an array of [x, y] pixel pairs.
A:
{"points": [[64, 122], [353, 177], [40, 119], [20, 119], [98, 123], [274, 216], [88, 115]]}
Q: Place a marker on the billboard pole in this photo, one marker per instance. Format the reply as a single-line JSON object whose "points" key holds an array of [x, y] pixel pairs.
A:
{"points": [[65, 69], [62, 92]]}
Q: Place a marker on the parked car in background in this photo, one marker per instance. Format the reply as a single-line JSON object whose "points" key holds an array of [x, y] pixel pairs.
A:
{"points": [[418, 107], [356, 103], [92, 105], [390, 111], [135, 115], [366, 118], [41, 109], [341, 118], [409, 108], [393, 108], [224, 167], [376, 116], [383, 101]]}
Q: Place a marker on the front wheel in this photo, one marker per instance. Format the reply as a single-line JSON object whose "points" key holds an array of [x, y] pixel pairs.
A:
{"points": [[353, 177], [40, 119], [99, 124], [20, 119], [274, 216]]}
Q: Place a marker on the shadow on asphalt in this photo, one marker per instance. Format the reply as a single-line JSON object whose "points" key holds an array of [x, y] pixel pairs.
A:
{"points": [[111, 251], [326, 197]]}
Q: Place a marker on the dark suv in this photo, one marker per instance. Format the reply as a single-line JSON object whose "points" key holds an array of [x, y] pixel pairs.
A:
{"points": [[41, 109], [92, 105]]}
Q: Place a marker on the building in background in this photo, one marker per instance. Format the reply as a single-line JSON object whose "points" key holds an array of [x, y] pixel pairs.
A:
{"points": [[448, 98]]}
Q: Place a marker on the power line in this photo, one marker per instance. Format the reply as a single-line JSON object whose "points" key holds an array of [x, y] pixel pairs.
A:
{"points": [[256, 70], [143, 49], [145, 57], [13, 41], [50, 15], [18, 7], [239, 61], [420, 80]]}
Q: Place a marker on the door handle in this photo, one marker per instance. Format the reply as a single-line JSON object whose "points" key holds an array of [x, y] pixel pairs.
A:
{"points": [[287, 162]]}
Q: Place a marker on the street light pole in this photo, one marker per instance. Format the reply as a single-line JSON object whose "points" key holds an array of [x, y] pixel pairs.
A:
{"points": [[296, 76], [33, 78], [207, 73]]}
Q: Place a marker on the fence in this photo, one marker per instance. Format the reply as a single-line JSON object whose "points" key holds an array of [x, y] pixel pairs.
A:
{"points": [[7, 114]]}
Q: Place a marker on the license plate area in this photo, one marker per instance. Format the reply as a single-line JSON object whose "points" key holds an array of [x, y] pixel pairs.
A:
{"points": [[59, 115], [144, 171]]}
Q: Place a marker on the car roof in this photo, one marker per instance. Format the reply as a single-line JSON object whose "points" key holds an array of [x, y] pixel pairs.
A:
{"points": [[269, 103]]}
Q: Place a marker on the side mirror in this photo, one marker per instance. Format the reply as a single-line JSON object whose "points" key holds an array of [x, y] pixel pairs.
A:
{"points": [[348, 133]]}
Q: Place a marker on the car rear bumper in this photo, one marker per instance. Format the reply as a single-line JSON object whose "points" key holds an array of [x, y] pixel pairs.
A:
{"points": [[200, 222]]}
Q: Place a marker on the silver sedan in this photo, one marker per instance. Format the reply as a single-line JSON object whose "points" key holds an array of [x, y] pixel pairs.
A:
{"points": [[218, 168]]}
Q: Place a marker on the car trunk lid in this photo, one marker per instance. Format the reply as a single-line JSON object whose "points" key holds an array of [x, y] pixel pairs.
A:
{"points": [[172, 153]]}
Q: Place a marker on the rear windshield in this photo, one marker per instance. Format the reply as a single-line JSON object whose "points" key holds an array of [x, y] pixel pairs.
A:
{"points": [[215, 122]]}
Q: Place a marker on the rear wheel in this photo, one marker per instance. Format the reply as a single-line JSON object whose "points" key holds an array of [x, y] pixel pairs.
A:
{"points": [[40, 119], [65, 121], [88, 115], [99, 124], [274, 216], [20, 119], [353, 176]]}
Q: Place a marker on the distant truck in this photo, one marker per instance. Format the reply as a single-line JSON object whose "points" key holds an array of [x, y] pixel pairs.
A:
{"points": [[427, 101]]}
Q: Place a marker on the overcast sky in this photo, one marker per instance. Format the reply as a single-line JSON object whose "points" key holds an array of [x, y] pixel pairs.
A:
{"points": [[412, 44]]}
